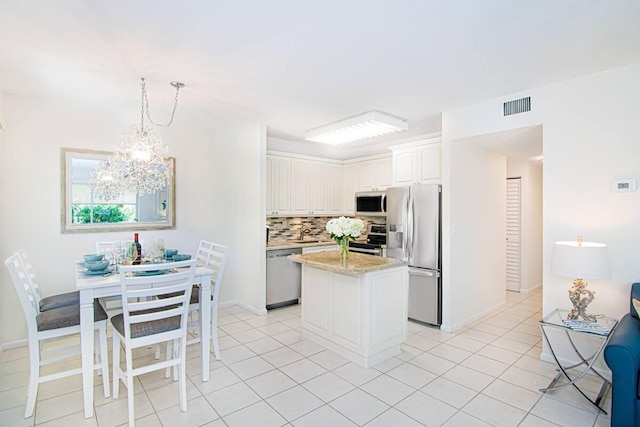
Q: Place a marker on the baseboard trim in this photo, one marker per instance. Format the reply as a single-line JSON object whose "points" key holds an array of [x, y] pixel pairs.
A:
{"points": [[259, 312], [531, 289], [14, 344], [480, 316]]}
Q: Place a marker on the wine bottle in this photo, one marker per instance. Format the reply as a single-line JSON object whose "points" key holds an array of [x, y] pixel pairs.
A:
{"points": [[137, 249]]}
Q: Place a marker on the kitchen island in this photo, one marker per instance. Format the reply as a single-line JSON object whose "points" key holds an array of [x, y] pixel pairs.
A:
{"points": [[356, 308]]}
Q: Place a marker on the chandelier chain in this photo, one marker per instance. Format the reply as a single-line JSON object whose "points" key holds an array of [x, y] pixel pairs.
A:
{"points": [[145, 108]]}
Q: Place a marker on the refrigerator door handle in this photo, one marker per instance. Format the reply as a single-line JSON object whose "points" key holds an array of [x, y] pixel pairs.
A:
{"points": [[409, 231], [422, 273]]}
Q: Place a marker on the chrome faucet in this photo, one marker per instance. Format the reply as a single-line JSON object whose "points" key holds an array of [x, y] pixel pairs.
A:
{"points": [[304, 230]]}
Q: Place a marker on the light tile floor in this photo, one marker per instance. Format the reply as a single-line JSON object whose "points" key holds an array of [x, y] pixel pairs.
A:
{"points": [[488, 374]]}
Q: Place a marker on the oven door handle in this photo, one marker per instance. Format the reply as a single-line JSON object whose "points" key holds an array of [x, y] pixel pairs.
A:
{"points": [[366, 251]]}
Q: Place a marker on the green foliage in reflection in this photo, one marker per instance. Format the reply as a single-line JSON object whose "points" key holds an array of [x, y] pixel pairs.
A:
{"points": [[101, 214]]}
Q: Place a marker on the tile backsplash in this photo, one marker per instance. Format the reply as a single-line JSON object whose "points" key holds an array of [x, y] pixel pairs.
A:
{"points": [[282, 229]]}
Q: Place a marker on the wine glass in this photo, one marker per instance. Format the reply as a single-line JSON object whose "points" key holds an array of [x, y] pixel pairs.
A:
{"points": [[159, 249], [117, 252]]}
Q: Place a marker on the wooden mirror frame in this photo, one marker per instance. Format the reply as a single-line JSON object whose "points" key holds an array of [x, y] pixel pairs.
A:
{"points": [[65, 201]]}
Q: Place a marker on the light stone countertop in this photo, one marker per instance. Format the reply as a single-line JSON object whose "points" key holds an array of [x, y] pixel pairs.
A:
{"points": [[356, 265]]}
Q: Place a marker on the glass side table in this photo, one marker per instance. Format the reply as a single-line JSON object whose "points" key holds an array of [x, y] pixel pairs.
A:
{"points": [[603, 332]]}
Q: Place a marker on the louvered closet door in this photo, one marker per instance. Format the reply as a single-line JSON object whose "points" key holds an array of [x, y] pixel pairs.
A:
{"points": [[513, 234]]}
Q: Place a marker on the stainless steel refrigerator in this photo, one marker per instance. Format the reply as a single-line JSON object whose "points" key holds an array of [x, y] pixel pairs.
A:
{"points": [[413, 234]]}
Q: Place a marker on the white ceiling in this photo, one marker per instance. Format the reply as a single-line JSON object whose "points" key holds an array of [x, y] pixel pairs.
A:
{"points": [[294, 65]]}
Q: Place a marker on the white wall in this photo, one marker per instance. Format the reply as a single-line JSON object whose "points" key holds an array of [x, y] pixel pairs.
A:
{"points": [[216, 178], [475, 270], [590, 136], [530, 220]]}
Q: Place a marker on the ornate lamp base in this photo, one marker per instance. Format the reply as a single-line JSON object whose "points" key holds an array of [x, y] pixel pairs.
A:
{"points": [[580, 296]]}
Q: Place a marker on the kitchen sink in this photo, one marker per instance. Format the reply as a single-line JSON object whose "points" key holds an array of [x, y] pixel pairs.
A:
{"points": [[305, 241]]}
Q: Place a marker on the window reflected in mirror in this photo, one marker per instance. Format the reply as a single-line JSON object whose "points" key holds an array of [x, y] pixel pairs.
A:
{"points": [[84, 211]]}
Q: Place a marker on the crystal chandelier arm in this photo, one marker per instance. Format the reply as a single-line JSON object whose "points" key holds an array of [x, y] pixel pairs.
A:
{"points": [[145, 101]]}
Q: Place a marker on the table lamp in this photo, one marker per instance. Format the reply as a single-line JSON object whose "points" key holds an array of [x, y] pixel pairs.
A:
{"points": [[580, 260]]}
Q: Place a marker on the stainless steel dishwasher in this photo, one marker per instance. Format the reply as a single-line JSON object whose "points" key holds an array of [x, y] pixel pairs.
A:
{"points": [[283, 278]]}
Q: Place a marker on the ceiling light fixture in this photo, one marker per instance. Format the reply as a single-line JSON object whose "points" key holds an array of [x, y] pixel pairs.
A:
{"points": [[141, 163], [363, 126]]}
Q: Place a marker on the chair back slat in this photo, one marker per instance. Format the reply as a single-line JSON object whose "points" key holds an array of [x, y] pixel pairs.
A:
{"points": [[20, 279], [202, 255], [140, 292], [31, 275], [217, 262]]}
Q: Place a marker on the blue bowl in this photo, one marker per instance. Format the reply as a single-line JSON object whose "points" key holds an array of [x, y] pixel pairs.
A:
{"points": [[169, 253], [96, 265], [93, 257], [181, 257]]}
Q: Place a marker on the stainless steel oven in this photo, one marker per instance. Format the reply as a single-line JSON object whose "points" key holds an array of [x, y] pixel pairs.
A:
{"points": [[375, 243]]}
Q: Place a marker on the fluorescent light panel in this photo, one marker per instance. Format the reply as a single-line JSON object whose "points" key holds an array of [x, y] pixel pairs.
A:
{"points": [[367, 125]]}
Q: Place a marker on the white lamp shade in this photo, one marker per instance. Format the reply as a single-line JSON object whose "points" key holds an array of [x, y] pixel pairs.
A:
{"points": [[584, 261]]}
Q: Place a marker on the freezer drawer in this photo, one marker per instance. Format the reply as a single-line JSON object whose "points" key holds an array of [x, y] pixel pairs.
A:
{"points": [[424, 296]]}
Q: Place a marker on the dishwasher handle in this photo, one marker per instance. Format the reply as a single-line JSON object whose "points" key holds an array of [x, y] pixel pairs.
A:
{"points": [[283, 253], [279, 255]]}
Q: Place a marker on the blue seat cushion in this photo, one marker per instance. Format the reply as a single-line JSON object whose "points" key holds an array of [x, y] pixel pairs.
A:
{"points": [[67, 316], [60, 300]]}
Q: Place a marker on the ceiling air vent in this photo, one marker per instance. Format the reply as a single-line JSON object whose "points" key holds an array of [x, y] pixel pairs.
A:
{"points": [[516, 106]]}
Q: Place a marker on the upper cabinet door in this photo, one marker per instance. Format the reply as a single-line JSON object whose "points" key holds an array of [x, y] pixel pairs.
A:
{"points": [[351, 174], [384, 173], [374, 175], [270, 185], [417, 162], [300, 179], [405, 164], [335, 198], [278, 185], [429, 161], [366, 176], [281, 185], [318, 188]]}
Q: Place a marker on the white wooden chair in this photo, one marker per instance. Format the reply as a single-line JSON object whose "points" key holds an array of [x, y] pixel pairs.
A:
{"points": [[52, 301], [106, 248], [147, 318], [213, 256], [48, 325]]}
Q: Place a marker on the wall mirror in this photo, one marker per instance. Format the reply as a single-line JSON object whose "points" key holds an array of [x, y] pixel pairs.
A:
{"points": [[83, 212]]}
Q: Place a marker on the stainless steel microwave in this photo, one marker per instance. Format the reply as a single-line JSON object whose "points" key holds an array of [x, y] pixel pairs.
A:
{"points": [[371, 203]]}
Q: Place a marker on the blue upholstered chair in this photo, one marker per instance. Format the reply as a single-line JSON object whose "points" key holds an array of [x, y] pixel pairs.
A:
{"points": [[622, 354]]}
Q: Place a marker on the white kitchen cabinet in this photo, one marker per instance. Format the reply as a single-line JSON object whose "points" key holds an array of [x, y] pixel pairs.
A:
{"points": [[416, 163], [375, 175], [335, 182], [384, 173], [405, 166], [429, 164], [308, 187], [362, 318], [278, 185], [351, 173], [366, 176]]}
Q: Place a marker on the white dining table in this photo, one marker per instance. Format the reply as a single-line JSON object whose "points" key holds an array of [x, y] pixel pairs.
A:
{"points": [[91, 287]]}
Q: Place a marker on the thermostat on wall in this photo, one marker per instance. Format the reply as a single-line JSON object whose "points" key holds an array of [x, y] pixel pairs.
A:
{"points": [[623, 185]]}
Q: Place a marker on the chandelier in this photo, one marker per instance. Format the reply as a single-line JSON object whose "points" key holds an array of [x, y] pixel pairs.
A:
{"points": [[140, 164]]}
